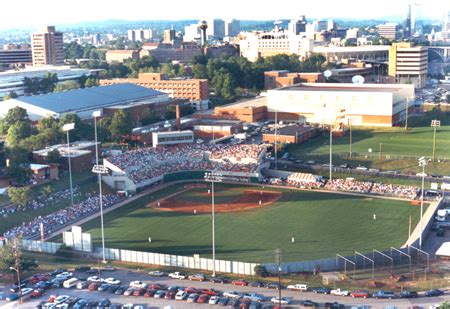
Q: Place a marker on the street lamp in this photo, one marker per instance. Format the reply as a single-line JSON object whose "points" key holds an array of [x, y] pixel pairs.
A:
{"points": [[17, 270], [99, 170], [435, 123], [66, 128], [213, 177], [422, 162]]}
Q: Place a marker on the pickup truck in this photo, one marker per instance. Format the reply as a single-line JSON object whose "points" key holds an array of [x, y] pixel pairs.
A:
{"points": [[339, 292], [384, 294], [177, 275], [298, 287]]}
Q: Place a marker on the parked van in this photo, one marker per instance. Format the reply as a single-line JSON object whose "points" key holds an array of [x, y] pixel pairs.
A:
{"points": [[70, 283]]}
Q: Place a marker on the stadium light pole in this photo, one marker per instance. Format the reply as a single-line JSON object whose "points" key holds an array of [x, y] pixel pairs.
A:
{"points": [[422, 162], [99, 170], [435, 123], [276, 140], [213, 177], [66, 128]]}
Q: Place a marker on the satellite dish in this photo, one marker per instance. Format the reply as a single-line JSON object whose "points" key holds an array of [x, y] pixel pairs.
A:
{"points": [[358, 79], [327, 73]]}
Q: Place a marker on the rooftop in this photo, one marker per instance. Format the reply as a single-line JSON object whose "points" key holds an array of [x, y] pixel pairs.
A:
{"points": [[89, 98], [292, 130], [332, 87]]}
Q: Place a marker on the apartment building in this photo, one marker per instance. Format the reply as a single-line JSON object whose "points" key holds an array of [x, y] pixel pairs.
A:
{"points": [[121, 55], [47, 47], [389, 31]]}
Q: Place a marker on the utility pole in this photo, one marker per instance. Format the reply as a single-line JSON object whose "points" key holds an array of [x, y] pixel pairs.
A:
{"points": [[410, 223], [278, 262], [350, 151]]}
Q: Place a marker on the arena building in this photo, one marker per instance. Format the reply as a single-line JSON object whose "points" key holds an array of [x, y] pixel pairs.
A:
{"points": [[362, 104]]}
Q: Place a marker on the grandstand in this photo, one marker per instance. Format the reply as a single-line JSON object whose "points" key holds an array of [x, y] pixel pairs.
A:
{"points": [[137, 169]]}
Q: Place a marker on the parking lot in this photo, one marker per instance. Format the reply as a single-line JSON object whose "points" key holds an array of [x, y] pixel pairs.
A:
{"points": [[126, 277]]}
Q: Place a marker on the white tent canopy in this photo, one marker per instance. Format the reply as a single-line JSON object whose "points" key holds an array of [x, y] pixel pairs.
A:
{"points": [[303, 177]]}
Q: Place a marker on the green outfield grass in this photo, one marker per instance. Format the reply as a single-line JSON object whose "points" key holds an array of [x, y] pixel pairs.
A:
{"points": [[323, 224], [416, 142]]}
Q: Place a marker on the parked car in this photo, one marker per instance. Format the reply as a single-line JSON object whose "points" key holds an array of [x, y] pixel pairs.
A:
{"points": [[157, 273], [81, 285], [284, 300], [12, 297], [178, 275], [223, 301], [192, 298], [384, 295], [160, 294], [80, 304], [43, 285], [234, 303], [256, 284], [139, 292], [298, 287], [15, 288], [254, 297], [408, 294], [214, 300], [273, 285], [129, 291], [360, 294], [240, 282], [82, 268], [64, 275], [203, 299], [339, 292], [150, 293], [113, 288], [308, 303], [61, 298], [138, 284], [37, 293], [103, 287], [57, 271], [112, 281], [221, 280], [231, 294], [93, 286], [181, 295], [94, 279], [191, 290], [322, 290], [169, 295], [104, 303], [210, 292], [121, 289], [434, 292], [157, 286], [197, 277]]}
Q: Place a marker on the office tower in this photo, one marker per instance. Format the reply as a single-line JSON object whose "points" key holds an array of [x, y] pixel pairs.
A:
{"points": [[216, 28], [232, 27], [47, 47], [297, 25]]}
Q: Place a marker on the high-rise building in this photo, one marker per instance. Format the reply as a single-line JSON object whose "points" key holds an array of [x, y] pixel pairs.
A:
{"points": [[407, 24], [169, 36], [47, 47], [140, 35], [388, 31], [216, 29], [232, 27], [408, 64], [297, 25]]}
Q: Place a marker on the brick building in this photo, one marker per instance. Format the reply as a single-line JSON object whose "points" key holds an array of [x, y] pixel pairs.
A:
{"points": [[291, 134], [282, 78], [121, 55]]}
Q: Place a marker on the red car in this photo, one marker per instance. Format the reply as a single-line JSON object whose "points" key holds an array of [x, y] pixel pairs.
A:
{"points": [[360, 294], [37, 278], [203, 298], [169, 295], [157, 286], [240, 282], [93, 286], [209, 292], [37, 293], [191, 290], [51, 298], [139, 292], [150, 293]]}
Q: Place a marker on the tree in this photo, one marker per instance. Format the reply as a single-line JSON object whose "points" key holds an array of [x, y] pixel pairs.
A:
{"points": [[15, 115], [48, 123], [72, 118], [121, 124], [11, 256], [54, 156], [10, 95], [48, 82], [67, 85], [19, 169], [19, 196], [46, 191], [261, 271], [18, 132], [91, 82]]}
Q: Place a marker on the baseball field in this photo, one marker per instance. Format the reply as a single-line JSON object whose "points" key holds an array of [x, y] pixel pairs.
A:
{"points": [[178, 220]]}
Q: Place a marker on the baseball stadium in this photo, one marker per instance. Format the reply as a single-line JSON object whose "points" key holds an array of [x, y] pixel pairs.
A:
{"points": [[170, 208]]}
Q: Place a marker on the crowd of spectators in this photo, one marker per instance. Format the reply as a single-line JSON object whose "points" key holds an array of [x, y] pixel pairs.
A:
{"points": [[147, 163], [62, 217], [348, 185], [39, 202], [394, 190]]}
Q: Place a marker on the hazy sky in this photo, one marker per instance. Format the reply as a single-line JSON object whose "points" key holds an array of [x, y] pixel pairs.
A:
{"points": [[33, 13]]}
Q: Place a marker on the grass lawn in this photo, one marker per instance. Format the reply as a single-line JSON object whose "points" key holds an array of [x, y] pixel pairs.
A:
{"points": [[416, 142], [29, 215], [323, 224]]}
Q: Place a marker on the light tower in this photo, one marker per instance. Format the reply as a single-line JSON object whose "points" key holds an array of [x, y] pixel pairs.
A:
{"points": [[203, 25]]}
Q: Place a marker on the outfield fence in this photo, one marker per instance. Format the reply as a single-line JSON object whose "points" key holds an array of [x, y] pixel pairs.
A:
{"points": [[40, 246]]}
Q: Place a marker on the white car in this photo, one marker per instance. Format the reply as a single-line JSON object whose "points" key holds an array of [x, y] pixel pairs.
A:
{"points": [[284, 300], [181, 295], [339, 292], [214, 300], [177, 275], [298, 287], [112, 281], [157, 273], [61, 298], [26, 291], [232, 294], [128, 306], [95, 279], [65, 275], [138, 284]]}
